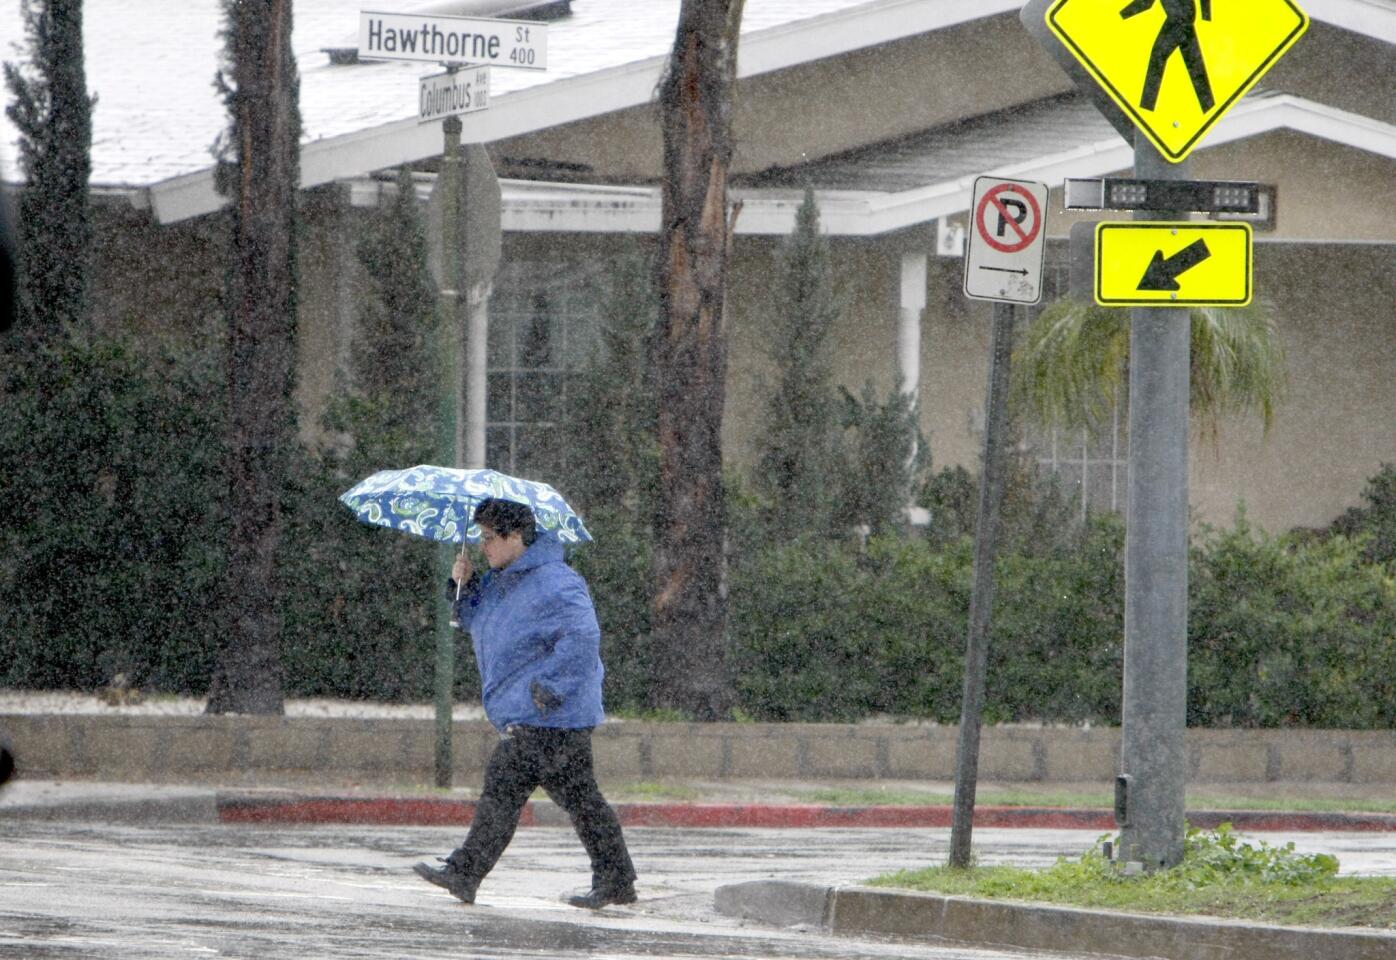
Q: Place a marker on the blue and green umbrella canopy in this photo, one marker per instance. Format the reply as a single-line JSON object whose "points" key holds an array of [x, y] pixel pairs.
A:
{"points": [[439, 502]]}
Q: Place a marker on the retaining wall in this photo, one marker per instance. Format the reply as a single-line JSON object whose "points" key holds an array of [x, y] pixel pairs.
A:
{"points": [[234, 749]]}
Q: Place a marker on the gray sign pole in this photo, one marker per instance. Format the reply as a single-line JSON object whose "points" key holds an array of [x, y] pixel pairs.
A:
{"points": [[1150, 791], [982, 598], [449, 182]]}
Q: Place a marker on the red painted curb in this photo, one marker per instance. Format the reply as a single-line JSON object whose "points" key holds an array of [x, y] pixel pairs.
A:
{"points": [[440, 812], [389, 810]]}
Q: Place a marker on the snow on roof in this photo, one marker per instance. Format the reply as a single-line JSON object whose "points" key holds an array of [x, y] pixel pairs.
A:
{"points": [[151, 64]]}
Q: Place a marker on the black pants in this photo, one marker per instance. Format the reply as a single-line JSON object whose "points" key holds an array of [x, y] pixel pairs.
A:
{"points": [[560, 762]]}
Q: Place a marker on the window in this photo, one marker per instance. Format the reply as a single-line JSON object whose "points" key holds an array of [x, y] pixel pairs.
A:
{"points": [[542, 316], [1092, 467], [1093, 470]]}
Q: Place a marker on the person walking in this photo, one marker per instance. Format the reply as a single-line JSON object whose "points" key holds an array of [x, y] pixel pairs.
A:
{"points": [[538, 647]]}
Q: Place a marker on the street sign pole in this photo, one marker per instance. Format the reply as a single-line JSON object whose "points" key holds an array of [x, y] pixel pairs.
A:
{"points": [[451, 385], [982, 598], [1003, 264], [470, 245], [1153, 762]]}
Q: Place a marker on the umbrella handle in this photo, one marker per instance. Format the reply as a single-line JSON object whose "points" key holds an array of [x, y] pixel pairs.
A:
{"points": [[454, 621]]}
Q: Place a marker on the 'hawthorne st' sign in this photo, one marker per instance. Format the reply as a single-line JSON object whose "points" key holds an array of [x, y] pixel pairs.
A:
{"points": [[405, 36]]}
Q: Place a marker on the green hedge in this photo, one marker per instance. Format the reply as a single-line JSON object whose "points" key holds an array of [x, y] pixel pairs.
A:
{"points": [[1288, 631], [110, 553], [825, 631], [110, 561]]}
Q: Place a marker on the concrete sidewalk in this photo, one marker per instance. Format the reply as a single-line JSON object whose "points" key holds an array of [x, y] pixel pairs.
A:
{"points": [[764, 804]]}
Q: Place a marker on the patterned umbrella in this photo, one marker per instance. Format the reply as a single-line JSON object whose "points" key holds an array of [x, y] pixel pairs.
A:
{"points": [[438, 503]]}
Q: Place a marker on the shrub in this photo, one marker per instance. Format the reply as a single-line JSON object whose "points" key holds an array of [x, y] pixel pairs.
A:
{"points": [[111, 554], [1289, 632], [1377, 520], [822, 632]]}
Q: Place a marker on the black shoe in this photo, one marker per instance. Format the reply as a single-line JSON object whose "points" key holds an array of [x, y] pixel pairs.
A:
{"points": [[598, 897], [448, 878]]}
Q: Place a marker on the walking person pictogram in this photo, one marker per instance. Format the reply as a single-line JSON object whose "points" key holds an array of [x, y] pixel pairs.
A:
{"points": [[1179, 32]]}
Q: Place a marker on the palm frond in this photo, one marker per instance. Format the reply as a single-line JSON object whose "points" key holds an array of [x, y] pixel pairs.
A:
{"points": [[1073, 365]]}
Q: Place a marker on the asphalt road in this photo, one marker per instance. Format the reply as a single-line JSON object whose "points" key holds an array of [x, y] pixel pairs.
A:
{"points": [[71, 890]]}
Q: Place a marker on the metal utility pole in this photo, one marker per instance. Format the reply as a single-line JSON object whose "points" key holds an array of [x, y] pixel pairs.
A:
{"points": [[450, 181], [1153, 761], [982, 597]]}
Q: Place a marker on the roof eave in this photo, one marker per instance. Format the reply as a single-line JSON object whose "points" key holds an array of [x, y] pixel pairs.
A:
{"points": [[530, 206]]}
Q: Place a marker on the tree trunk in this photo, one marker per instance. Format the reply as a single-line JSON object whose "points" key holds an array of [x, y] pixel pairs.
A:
{"points": [[261, 349], [690, 603]]}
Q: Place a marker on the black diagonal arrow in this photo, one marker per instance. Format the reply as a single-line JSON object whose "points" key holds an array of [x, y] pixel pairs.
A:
{"points": [[1163, 272]]}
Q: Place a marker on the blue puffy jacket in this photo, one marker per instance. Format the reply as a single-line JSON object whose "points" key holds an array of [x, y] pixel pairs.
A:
{"points": [[535, 635]]}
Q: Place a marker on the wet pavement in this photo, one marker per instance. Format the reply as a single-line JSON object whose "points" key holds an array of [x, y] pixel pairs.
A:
{"points": [[70, 889]]}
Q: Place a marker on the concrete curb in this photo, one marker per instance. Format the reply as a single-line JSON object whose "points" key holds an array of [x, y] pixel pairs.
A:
{"points": [[867, 910]]}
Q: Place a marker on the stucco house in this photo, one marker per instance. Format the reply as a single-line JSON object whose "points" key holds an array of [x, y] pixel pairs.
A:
{"points": [[888, 109]]}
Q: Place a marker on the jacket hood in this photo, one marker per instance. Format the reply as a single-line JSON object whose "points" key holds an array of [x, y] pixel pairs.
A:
{"points": [[542, 551]]}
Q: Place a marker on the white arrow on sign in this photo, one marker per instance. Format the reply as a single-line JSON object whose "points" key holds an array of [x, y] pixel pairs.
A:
{"points": [[452, 93], [438, 39]]}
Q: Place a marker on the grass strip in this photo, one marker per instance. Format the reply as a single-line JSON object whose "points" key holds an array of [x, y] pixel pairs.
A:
{"points": [[1093, 800], [1220, 876]]}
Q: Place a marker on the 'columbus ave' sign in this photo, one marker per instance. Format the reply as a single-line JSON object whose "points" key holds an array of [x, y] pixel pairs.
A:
{"points": [[406, 36]]}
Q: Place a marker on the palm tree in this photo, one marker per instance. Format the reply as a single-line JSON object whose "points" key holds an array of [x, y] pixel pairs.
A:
{"points": [[1074, 364]]}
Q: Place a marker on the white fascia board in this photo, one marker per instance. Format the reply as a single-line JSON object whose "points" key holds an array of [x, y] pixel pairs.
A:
{"points": [[185, 196], [1372, 18], [589, 95], [1285, 111]]}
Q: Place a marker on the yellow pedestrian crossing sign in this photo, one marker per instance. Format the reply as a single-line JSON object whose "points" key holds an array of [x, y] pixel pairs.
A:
{"points": [[1175, 67], [1183, 264]]}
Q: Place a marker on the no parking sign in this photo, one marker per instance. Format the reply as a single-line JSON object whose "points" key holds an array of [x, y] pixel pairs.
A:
{"points": [[1007, 239]]}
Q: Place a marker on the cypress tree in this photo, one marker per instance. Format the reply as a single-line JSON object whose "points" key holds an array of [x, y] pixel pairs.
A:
{"points": [[261, 175], [53, 113], [392, 360], [886, 460], [799, 460], [612, 461]]}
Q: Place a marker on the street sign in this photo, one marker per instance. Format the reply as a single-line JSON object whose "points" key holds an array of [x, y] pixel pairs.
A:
{"points": [[1157, 263], [1007, 238], [452, 93], [1175, 67], [440, 39], [479, 228]]}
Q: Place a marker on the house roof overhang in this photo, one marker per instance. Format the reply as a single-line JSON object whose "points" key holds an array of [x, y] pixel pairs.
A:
{"points": [[559, 207], [590, 94], [1083, 145], [350, 143]]}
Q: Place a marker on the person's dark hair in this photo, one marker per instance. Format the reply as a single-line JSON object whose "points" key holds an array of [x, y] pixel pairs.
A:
{"points": [[506, 516]]}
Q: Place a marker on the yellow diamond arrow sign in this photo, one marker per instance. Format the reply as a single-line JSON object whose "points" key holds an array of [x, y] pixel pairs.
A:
{"points": [[1176, 66], [1157, 263]]}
